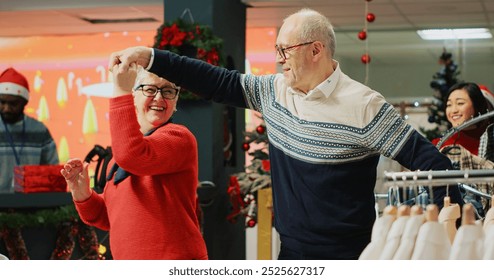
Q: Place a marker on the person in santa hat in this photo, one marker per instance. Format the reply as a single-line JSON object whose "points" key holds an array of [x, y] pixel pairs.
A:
{"points": [[23, 140], [488, 95]]}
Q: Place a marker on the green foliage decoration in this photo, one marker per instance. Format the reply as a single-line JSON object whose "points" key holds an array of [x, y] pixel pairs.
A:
{"points": [[192, 40], [41, 218]]}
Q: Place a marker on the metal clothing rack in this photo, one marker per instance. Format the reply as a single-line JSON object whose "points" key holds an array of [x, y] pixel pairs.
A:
{"points": [[468, 123], [441, 178]]}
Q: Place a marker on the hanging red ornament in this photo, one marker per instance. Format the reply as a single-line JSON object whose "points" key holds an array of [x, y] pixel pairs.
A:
{"points": [[245, 146], [261, 129], [370, 17], [362, 35], [251, 223], [266, 165], [365, 59]]}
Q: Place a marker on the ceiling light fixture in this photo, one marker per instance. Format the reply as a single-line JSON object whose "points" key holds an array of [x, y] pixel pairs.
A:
{"points": [[454, 34]]}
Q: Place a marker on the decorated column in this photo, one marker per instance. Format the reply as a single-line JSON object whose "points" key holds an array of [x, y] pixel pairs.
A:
{"points": [[264, 224], [218, 128]]}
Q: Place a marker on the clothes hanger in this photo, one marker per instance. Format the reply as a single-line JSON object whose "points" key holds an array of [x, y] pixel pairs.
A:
{"points": [[468, 123], [454, 150], [468, 217], [393, 195], [448, 216], [412, 227]]}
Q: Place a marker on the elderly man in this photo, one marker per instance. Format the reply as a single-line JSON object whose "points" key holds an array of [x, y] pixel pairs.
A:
{"points": [[326, 133]]}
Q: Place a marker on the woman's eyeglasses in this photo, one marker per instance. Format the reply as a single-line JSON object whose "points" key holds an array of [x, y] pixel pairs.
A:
{"points": [[167, 92]]}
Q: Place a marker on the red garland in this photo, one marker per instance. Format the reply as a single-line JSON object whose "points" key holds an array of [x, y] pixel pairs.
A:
{"points": [[88, 241], [15, 244], [65, 243], [235, 198], [64, 246]]}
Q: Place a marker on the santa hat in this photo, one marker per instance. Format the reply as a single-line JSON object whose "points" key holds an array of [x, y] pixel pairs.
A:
{"points": [[487, 94], [14, 83]]}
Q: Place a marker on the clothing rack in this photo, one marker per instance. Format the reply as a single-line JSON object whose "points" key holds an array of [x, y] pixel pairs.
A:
{"points": [[468, 123], [437, 177]]}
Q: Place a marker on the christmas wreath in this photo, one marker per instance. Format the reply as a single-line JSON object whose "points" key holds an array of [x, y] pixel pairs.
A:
{"points": [[192, 40]]}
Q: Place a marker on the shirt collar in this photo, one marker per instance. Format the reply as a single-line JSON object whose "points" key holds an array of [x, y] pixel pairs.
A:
{"points": [[324, 89]]}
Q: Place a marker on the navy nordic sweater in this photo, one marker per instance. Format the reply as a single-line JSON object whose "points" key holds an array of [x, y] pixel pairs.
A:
{"points": [[324, 150]]}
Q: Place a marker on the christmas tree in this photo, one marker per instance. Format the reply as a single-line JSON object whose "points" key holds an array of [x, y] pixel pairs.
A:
{"points": [[442, 81], [244, 185]]}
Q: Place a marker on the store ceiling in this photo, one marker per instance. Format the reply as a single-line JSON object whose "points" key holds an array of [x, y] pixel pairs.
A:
{"points": [[391, 37]]}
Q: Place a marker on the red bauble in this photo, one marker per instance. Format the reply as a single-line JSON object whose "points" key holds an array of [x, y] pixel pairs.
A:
{"points": [[251, 223], [370, 17], [362, 35], [261, 129], [365, 59], [266, 165], [245, 146]]}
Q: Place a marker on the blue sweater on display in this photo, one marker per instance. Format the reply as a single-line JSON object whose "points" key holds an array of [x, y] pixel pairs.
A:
{"points": [[324, 148]]}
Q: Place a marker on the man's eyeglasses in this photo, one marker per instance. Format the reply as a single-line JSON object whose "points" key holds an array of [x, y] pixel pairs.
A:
{"points": [[167, 92], [282, 51]]}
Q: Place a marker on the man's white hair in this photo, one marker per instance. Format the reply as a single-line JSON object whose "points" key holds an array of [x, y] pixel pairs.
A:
{"points": [[316, 27]]}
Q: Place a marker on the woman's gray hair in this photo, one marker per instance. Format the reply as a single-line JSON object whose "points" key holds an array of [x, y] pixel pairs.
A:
{"points": [[316, 27], [142, 74]]}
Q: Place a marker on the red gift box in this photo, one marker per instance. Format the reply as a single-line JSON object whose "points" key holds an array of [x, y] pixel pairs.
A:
{"points": [[39, 178]]}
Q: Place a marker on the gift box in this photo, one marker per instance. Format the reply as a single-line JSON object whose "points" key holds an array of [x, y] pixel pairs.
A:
{"points": [[39, 178]]}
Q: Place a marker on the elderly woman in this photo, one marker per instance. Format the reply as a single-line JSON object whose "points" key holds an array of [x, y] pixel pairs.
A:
{"points": [[149, 202]]}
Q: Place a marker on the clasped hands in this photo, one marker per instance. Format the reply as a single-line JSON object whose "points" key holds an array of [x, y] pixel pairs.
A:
{"points": [[123, 66]]}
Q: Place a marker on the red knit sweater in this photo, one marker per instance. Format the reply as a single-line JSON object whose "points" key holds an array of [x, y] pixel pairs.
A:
{"points": [[152, 213]]}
